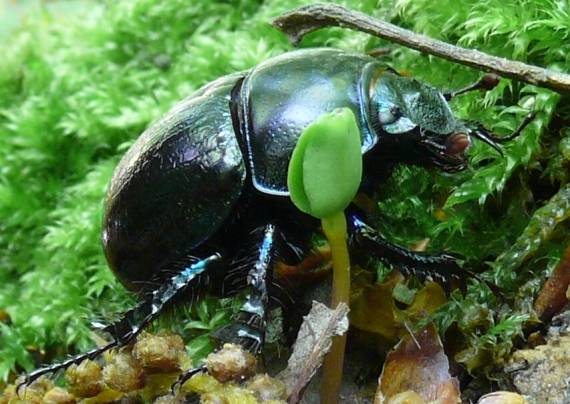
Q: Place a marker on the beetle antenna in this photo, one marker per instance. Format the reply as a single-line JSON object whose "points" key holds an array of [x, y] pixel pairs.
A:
{"points": [[486, 82], [485, 136], [494, 140], [503, 139]]}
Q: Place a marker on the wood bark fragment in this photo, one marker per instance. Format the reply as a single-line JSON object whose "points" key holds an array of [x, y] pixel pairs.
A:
{"points": [[313, 342], [552, 298], [299, 22]]}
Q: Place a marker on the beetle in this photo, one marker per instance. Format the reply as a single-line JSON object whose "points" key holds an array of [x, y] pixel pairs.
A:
{"points": [[210, 177]]}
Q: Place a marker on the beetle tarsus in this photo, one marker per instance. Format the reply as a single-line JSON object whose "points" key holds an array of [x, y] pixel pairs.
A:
{"points": [[185, 376], [75, 360]]}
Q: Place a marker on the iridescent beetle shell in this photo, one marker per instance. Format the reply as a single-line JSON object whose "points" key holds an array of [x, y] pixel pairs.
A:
{"points": [[182, 182]]}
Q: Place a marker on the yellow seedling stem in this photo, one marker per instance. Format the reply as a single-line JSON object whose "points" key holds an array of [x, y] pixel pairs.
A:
{"points": [[334, 228]]}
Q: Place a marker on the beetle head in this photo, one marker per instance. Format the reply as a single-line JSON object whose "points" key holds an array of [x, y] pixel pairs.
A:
{"points": [[415, 124]]}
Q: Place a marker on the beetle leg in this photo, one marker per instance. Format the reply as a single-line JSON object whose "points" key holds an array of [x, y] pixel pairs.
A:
{"points": [[136, 319], [186, 375], [439, 267], [248, 329]]}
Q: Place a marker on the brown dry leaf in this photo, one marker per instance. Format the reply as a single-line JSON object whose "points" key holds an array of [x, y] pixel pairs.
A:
{"points": [[418, 365], [427, 300], [420, 245], [315, 267], [373, 309], [552, 298]]}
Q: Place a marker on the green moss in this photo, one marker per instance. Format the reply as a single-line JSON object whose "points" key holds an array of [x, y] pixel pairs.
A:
{"points": [[75, 92]]}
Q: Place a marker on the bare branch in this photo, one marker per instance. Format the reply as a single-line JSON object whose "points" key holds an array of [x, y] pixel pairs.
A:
{"points": [[297, 23]]}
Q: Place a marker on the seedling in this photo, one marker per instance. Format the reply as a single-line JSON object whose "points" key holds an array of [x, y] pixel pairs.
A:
{"points": [[324, 175]]}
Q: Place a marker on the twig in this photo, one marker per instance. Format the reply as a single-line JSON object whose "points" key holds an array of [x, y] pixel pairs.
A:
{"points": [[297, 23]]}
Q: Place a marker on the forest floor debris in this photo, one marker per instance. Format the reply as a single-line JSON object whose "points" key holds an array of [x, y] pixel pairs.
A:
{"points": [[541, 374]]}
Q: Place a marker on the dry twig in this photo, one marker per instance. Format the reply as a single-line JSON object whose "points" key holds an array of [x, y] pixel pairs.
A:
{"points": [[297, 23]]}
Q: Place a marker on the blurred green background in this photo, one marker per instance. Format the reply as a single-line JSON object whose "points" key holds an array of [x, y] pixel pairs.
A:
{"points": [[13, 13], [80, 80]]}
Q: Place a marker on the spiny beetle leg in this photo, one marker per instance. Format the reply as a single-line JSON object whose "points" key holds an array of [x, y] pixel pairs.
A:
{"points": [[443, 268], [75, 360], [248, 329], [132, 322]]}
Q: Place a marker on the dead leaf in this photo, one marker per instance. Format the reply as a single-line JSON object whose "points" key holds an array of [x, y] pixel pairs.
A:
{"points": [[428, 299], [315, 267], [418, 365], [374, 310], [407, 397], [420, 245]]}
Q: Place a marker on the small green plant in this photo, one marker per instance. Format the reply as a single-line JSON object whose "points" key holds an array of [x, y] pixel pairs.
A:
{"points": [[324, 175]]}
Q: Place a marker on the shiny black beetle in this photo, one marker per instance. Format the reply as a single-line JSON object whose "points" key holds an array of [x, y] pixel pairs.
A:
{"points": [[211, 174]]}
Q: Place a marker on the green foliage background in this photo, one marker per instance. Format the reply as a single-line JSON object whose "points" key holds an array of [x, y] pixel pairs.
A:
{"points": [[76, 90]]}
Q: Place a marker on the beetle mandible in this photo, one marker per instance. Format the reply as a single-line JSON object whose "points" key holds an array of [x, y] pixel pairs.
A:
{"points": [[213, 172]]}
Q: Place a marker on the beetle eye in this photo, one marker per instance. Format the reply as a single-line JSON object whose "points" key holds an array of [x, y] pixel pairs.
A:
{"points": [[389, 115], [457, 143]]}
